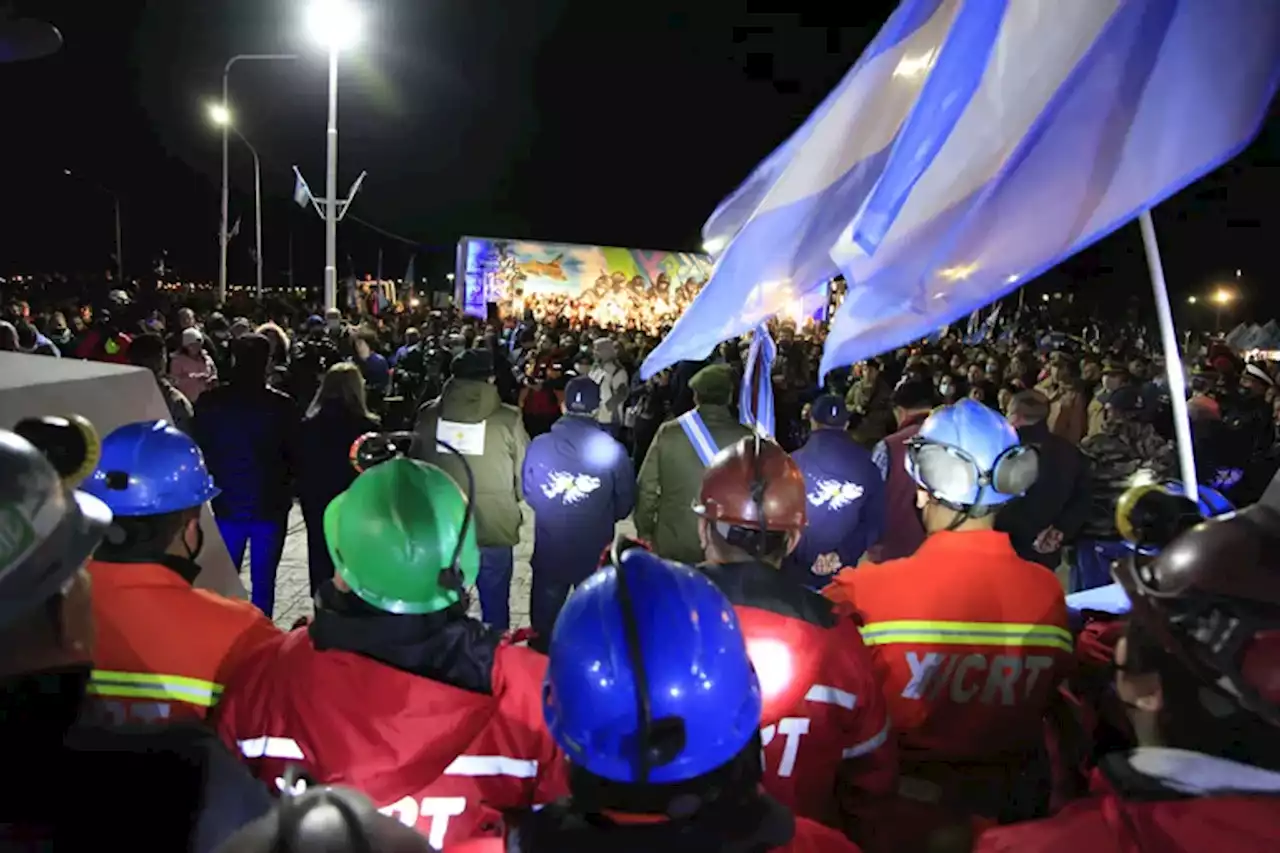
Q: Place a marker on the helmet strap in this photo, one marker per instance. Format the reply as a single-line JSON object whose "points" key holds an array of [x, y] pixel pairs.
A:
{"points": [[644, 714], [758, 485]]}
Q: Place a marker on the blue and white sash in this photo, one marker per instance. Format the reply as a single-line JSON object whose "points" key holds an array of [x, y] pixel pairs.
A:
{"points": [[699, 436]]}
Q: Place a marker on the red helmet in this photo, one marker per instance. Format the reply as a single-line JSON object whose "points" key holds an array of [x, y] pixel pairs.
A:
{"points": [[754, 476], [1212, 598]]}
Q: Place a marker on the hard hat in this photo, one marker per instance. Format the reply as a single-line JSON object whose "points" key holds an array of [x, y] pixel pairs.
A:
{"points": [[649, 680], [1150, 516], [150, 468], [968, 458], [394, 534], [752, 477], [1212, 598], [47, 529]]}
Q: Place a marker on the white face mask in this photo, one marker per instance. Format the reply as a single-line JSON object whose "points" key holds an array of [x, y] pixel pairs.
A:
{"points": [[944, 389]]}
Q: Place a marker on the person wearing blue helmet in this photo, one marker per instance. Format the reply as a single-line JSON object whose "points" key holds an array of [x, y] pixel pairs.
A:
{"points": [[652, 697], [971, 639], [164, 648]]}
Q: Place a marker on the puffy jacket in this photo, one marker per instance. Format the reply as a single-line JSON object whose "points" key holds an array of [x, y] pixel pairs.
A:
{"points": [[494, 442], [247, 434], [192, 374], [580, 482], [164, 651], [1158, 800], [434, 717], [669, 482], [829, 756]]}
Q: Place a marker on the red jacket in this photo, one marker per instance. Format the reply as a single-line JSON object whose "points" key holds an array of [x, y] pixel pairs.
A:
{"points": [[437, 757], [828, 754], [1110, 822], [810, 837], [903, 531]]}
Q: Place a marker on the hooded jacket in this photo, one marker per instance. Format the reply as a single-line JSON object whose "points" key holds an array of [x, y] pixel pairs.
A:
{"points": [[469, 415]]}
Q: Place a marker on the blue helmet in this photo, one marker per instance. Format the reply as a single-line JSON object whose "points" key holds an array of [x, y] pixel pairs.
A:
{"points": [[150, 468], [968, 458], [649, 680]]}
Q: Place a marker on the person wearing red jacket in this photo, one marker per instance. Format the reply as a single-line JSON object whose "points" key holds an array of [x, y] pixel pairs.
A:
{"points": [[970, 641], [652, 696], [1198, 670], [829, 756], [392, 689]]}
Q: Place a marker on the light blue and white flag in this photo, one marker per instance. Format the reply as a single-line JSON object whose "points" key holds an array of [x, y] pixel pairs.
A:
{"points": [[755, 397], [301, 192], [974, 145]]}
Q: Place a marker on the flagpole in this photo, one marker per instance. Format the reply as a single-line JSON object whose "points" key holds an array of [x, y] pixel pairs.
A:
{"points": [[1172, 359]]}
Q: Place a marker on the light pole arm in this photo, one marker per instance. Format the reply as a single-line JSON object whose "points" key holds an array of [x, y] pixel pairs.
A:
{"points": [[254, 57]]}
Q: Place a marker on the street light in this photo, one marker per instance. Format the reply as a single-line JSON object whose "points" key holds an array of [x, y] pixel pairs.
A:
{"points": [[1221, 298], [336, 26], [221, 116], [1191, 300], [116, 200], [226, 112]]}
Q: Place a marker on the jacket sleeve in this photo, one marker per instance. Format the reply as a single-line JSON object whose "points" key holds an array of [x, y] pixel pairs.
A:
{"points": [[647, 492], [873, 512], [1076, 511], [869, 772], [519, 447], [259, 630], [624, 486], [526, 474]]}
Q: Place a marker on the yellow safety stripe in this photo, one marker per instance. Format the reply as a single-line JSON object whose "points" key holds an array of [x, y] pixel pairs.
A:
{"points": [[937, 632], [147, 685]]}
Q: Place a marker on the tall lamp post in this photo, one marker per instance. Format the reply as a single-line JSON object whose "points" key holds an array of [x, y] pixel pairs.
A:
{"points": [[221, 116], [335, 25], [222, 236], [116, 200]]}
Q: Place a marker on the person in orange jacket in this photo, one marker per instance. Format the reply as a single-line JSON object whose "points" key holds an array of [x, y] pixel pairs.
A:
{"points": [[164, 648], [828, 756], [970, 641], [1198, 671]]}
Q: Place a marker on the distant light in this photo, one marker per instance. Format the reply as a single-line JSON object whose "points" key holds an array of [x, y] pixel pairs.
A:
{"points": [[1013, 279], [335, 24], [1222, 296], [219, 114], [1191, 300], [66, 171], [450, 276], [413, 303], [1044, 297], [1237, 273]]}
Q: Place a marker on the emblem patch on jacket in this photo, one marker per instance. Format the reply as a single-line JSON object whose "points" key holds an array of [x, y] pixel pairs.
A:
{"points": [[570, 488], [834, 495]]}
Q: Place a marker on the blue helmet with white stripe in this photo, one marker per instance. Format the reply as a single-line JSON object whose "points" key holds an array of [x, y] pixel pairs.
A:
{"points": [[969, 459], [649, 680]]}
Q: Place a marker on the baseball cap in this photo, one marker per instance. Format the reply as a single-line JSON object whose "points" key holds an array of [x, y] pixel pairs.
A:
{"points": [[581, 396], [830, 410], [1126, 398], [713, 384], [192, 336], [1258, 373]]}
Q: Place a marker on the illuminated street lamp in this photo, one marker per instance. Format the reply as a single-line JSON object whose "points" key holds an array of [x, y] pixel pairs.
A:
{"points": [[1222, 297], [225, 112], [335, 25], [1191, 300], [220, 115]]}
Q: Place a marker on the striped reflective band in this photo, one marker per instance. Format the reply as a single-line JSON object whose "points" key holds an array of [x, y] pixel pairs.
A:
{"points": [[270, 747], [931, 632], [147, 685], [831, 696], [871, 744], [492, 765]]}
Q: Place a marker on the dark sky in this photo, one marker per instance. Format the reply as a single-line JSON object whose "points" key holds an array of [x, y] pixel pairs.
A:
{"points": [[619, 123]]}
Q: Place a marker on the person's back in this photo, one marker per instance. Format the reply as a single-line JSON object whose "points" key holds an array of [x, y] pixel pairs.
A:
{"points": [[903, 533], [392, 688], [671, 475], [164, 649], [845, 493]]}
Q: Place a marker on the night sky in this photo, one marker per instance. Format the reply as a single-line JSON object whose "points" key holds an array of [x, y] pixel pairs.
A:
{"points": [[620, 123]]}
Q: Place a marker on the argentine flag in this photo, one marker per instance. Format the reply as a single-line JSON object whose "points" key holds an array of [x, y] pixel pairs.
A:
{"points": [[975, 144]]}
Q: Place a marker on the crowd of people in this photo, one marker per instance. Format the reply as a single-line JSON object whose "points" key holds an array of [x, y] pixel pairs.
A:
{"points": [[852, 634]]}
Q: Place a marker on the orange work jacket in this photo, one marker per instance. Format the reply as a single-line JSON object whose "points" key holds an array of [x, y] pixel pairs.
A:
{"points": [[164, 649]]}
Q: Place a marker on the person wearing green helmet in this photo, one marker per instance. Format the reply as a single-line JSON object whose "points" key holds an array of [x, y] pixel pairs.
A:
{"points": [[393, 689]]}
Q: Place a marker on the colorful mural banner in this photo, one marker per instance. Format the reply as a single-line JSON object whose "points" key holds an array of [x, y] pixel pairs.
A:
{"points": [[498, 271]]}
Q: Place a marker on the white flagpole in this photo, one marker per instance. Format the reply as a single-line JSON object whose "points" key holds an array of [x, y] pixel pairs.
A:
{"points": [[1172, 357]]}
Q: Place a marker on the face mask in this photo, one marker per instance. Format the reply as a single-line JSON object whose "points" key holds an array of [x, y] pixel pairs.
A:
{"points": [[944, 389]]}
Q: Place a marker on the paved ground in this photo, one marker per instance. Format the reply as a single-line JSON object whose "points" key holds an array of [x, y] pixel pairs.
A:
{"points": [[293, 595]]}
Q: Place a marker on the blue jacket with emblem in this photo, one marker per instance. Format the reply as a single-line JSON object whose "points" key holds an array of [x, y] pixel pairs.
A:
{"points": [[580, 482], [846, 505]]}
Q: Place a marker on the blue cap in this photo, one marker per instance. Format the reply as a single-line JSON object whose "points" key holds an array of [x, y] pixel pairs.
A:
{"points": [[150, 468], [702, 695], [830, 410], [581, 396]]}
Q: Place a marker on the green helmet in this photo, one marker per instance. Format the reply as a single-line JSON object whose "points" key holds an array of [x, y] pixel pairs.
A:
{"points": [[393, 533]]}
